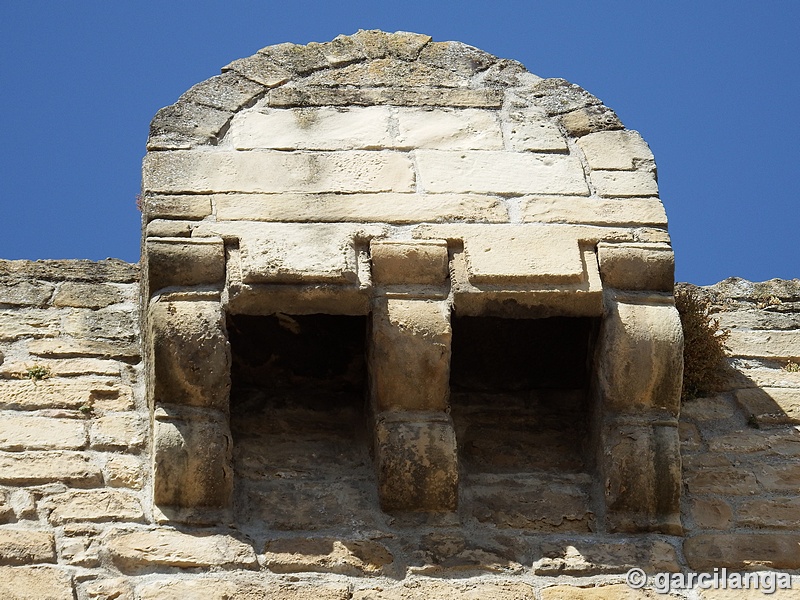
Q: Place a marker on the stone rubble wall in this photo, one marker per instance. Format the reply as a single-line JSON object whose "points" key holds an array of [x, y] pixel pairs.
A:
{"points": [[74, 477]]}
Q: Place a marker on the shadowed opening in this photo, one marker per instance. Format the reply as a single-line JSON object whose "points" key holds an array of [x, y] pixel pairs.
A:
{"points": [[520, 405], [301, 450]]}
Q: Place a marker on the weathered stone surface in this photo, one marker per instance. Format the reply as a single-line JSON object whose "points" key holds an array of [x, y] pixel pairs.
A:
{"points": [[758, 319], [527, 129], [360, 208], [642, 475], [642, 365], [227, 92], [28, 323], [342, 50], [118, 431], [508, 254], [587, 556], [637, 266], [327, 555], [398, 262], [324, 128], [6, 510], [86, 295], [622, 184], [97, 506], [260, 69], [558, 96], [24, 292], [771, 405], [615, 150], [110, 270], [747, 551], [457, 57], [122, 470], [41, 433], [289, 96], [317, 505], [56, 392], [184, 262], [191, 461], [113, 588], [769, 513], [276, 172], [24, 546], [140, 550], [764, 344], [618, 591], [597, 211], [728, 481], [190, 353], [560, 507], [710, 408], [192, 207], [104, 323], [298, 59], [590, 119], [387, 72], [69, 347], [229, 587], [410, 343], [711, 513], [783, 478], [184, 125], [766, 580], [448, 129], [425, 589], [35, 583], [492, 172], [416, 461], [34, 468], [268, 251]]}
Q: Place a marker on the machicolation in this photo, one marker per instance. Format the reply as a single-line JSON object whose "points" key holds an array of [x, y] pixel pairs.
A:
{"points": [[405, 327]]}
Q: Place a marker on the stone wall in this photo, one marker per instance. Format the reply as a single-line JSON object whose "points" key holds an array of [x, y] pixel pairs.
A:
{"points": [[74, 475]]}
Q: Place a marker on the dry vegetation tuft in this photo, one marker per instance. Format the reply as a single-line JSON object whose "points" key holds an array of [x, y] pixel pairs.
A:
{"points": [[704, 345]]}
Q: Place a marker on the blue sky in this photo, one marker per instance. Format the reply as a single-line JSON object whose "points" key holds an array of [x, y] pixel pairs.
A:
{"points": [[711, 86]]}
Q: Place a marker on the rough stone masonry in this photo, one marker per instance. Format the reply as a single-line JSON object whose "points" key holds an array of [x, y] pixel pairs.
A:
{"points": [[407, 331]]}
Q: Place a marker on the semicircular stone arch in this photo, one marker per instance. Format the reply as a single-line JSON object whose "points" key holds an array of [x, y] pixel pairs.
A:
{"points": [[410, 182]]}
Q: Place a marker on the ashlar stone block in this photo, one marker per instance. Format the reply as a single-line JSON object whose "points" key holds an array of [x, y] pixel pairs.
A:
{"points": [[621, 150], [277, 172], [641, 470], [513, 254], [399, 262], [315, 128], [497, 172], [190, 354], [297, 252], [361, 208], [527, 129], [417, 462], [184, 262], [639, 361], [637, 266], [409, 355], [623, 184], [448, 129], [192, 457]]}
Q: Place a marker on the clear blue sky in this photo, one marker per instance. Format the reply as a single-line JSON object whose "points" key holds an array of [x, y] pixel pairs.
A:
{"points": [[711, 85]]}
